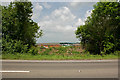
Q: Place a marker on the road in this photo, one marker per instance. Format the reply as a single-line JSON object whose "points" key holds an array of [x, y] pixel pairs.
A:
{"points": [[60, 69]]}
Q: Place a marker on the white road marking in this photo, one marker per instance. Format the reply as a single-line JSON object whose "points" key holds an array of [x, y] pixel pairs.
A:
{"points": [[15, 71]]}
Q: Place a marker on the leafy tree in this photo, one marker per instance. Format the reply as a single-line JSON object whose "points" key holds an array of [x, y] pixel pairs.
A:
{"points": [[17, 23], [0, 20], [18, 29], [100, 34]]}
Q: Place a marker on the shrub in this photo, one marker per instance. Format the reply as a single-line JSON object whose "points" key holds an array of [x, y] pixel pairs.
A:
{"points": [[13, 47], [75, 52], [117, 53], [33, 50], [46, 52], [10, 46]]}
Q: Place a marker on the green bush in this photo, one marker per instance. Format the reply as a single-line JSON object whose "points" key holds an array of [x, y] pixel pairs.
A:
{"points": [[117, 53], [33, 50], [61, 50], [46, 52], [75, 52], [10, 46], [13, 47]]}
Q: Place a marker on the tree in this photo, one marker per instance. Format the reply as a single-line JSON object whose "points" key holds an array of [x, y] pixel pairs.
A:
{"points": [[17, 23], [100, 34], [0, 29]]}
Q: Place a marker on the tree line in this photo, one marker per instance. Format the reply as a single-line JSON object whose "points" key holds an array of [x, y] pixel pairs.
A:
{"points": [[101, 32]]}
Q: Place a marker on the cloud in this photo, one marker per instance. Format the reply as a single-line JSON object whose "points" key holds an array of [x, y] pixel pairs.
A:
{"points": [[74, 4], [88, 13], [46, 5], [82, 21], [63, 14], [58, 25], [58, 19], [4, 3], [37, 10], [38, 7], [79, 22]]}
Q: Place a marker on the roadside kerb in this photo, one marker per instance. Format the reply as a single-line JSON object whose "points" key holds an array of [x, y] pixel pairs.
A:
{"points": [[59, 61]]}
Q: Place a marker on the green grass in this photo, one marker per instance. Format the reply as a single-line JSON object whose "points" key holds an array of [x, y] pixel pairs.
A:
{"points": [[57, 57]]}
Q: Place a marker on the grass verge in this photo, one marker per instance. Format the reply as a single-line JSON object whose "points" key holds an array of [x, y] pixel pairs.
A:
{"points": [[56, 57]]}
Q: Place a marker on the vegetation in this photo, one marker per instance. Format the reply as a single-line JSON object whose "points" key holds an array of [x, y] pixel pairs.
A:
{"points": [[60, 53], [18, 29], [100, 34], [0, 31], [65, 51]]}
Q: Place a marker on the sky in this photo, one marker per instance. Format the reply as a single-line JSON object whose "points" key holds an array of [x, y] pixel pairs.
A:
{"points": [[59, 20]]}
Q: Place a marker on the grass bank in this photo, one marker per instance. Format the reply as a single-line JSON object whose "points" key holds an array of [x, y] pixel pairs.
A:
{"points": [[56, 57], [59, 53]]}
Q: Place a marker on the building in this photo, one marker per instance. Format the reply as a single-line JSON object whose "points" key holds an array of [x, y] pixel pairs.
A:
{"points": [[47, 45]]}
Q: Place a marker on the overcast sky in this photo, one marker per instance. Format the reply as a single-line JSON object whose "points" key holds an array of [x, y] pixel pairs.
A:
{"points": [[59, 20]]}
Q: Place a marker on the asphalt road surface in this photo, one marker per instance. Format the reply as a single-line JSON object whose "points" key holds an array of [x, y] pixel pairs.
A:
{"points": [[60, 69]]}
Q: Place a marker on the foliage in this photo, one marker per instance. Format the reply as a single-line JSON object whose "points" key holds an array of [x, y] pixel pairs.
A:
{"points": [[70, 53], [64, 51], [19, 31], [10, 46], [17, 23], [100, 34], [15, 47], [33, 50], [46, 52]]}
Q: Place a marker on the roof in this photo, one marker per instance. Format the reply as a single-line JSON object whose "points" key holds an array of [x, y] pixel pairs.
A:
{"points": [[57, 43], [48, 44]]}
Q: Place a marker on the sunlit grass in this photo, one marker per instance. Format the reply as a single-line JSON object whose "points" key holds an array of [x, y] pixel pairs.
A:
{"points": [[56, 57]]}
